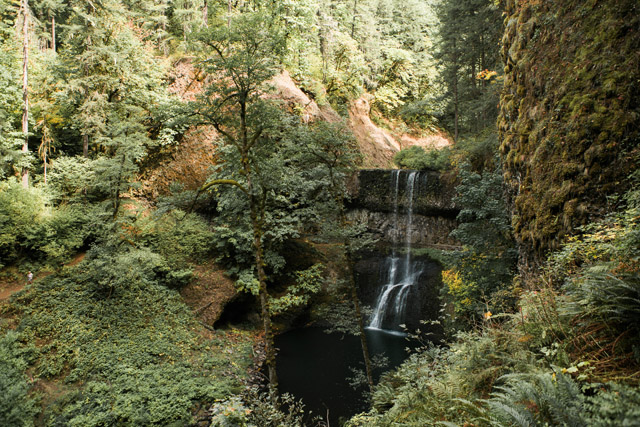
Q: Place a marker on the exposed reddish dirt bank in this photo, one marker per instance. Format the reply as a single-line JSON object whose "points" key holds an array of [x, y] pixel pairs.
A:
{"points": [[10, 285], [189, 162], [379, 145], [209, 293]]}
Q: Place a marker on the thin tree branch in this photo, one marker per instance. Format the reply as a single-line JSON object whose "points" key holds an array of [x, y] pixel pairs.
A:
{"points": [[224, 182]]}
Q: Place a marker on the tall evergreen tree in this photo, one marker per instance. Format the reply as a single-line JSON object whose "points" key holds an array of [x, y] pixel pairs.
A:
{"points": [[11, 139], [467, 52], [48, 13], [24, 8], [111, 83]]}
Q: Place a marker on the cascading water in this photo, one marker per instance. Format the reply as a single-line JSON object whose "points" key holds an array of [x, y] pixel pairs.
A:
{"points": [[402, 271]]}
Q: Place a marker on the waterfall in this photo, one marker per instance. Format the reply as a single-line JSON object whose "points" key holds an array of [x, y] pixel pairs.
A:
{"points": [[402, 271]]}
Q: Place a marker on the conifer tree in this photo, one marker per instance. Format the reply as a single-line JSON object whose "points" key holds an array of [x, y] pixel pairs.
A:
{"points": [[24, 7], [466, 50], [11, 139], [111, 83]]}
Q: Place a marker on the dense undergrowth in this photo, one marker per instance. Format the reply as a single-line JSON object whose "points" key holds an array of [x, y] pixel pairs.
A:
{"points": [[108, 340], [135, 358]]}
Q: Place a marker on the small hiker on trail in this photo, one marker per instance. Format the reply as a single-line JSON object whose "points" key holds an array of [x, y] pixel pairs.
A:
{"points": [[29, 277]]}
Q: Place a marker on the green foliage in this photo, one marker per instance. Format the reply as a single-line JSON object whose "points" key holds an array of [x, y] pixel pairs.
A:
{"points": [[438, 384], [308, 282], [17, 408], [478, 150], [601, 277], [538, 399], [418, 158], [180, 238], [485, 266], [11, 138], [469, 64], [614, 404], [256, 409], [111, 84], [563, 359], [32, 227], [136, 354], [555, 399], [70, 177]]}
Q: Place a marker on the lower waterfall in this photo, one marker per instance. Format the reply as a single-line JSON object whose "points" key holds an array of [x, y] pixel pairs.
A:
{"points": [[402, 271]]}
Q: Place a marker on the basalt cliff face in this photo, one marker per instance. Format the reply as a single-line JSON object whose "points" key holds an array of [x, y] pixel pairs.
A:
{"points": [[433, 212], [569, 114]]}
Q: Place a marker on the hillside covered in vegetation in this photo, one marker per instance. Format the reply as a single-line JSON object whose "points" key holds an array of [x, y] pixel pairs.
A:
{"points": [[175, 183]]}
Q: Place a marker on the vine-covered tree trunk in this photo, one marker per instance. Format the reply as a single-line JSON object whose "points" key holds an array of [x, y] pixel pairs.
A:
{"points": [[263, 296], [25, 88], [363, 337]]}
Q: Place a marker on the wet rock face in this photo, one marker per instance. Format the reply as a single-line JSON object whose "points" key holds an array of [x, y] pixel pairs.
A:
{"points": [[424, 230], [379, 202]]}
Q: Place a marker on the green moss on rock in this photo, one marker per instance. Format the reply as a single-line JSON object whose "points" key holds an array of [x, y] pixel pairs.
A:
{"points": [[569, 114]]}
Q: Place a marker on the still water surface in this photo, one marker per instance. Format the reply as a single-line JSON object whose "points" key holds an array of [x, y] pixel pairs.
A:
{"points": [[315, 366]]}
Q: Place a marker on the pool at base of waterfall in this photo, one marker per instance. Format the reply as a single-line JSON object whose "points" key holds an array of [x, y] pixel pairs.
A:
{"points": [[317, 367]]}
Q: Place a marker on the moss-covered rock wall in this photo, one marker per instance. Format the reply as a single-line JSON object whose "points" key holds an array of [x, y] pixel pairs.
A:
{"points": [[569, 113]]}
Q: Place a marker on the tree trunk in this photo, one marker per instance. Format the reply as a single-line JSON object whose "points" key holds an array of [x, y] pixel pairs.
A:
{"points": [[256, 209], [205, 14], [263, 295], [455, 92], [353, 23], [165, 44], [53, 33], [339, 198], [25, 88], [116, 201], [484, 82], [85, 146], [363, 337]]}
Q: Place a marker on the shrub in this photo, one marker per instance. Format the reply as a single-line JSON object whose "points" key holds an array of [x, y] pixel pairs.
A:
{"points": [[256, 408], [484, 268], [17, 408], [417, 158], [136, 357], [556, 399], [31, 226]]}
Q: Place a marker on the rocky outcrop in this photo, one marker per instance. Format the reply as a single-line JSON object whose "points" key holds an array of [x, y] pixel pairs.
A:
{"points": [[425, 230], [288, 92], [434, 213], [569, 114], [377, 145]]}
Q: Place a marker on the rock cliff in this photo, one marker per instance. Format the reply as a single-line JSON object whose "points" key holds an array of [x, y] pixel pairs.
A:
{"points": [[569, 114], [372, 203]]}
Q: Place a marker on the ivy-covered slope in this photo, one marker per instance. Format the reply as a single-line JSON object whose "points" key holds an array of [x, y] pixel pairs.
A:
{"points": [[569, 114]]}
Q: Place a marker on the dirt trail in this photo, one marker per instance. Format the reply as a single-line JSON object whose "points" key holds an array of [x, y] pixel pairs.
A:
{"points": [[9, 287]]}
